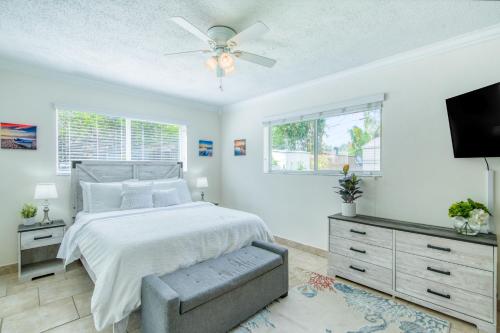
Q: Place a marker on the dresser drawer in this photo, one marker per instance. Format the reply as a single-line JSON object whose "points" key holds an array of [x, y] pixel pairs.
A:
{"points": [[458, 252], [43, 237], [360, 271], [362, 233], [472, 279], [380, 256], [466, 302]]}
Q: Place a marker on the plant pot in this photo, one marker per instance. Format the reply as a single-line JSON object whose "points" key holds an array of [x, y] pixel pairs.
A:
{"points": [[349, 209], [29, 221], [465, 226]]}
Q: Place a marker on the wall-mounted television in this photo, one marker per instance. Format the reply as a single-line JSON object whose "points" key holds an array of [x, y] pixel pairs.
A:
{"points": [[475, 122]]}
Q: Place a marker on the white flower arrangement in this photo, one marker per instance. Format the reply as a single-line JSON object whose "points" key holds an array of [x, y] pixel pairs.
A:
{"points": [[478, 216]]}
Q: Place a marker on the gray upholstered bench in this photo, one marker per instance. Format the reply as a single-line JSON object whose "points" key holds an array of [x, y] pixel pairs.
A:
{"points": [[215, 295]]}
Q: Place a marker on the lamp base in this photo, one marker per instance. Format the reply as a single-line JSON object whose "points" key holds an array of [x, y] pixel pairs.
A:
{"points": [[202, 196], [46, 219]]}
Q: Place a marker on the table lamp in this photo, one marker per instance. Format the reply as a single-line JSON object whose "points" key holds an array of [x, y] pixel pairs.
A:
{"points": [[202, 182], [45, 191]]}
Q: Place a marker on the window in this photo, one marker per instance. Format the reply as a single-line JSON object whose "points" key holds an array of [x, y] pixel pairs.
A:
{"points": [[93, 136], [323, 142]]}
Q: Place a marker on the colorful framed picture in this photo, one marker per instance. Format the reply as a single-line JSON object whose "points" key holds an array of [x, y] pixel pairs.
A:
{"points": [[17, 136], [206, 148], [240, 147]]}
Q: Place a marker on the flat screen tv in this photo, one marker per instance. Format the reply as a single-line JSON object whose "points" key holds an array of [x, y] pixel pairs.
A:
{"points": [[475, 122]]}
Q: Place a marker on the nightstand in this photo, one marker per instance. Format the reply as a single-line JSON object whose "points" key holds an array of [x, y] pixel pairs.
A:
{"points": [[37, 249]]}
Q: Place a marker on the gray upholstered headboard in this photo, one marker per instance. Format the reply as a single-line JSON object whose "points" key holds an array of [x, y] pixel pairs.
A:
{"points": [[116, 171]]}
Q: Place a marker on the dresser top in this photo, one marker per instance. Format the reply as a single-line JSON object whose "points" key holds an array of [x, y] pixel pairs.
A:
{"points": [[38, 226], [418, 228]]}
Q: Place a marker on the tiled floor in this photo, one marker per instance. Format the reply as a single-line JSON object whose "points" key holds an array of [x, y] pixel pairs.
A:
{"points": [[61, 303]]}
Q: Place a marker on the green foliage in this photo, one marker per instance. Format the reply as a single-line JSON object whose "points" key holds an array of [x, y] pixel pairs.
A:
{"points": [[464, 208], [360, 137], [28, 211], [294, 137], [349, 188]]}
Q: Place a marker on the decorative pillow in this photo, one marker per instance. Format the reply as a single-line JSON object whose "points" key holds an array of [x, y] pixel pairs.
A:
{"points": [[136, 196], [165, 198], [101, 197], [179, 184]]}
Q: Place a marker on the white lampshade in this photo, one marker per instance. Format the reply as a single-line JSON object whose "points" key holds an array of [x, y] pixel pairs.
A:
{"points": [[44, 191], [202, 182]]}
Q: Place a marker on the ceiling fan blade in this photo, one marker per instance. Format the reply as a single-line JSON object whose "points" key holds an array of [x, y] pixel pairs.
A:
{"points": [[254, 31], [183, 23], [256, 59], [187, 52]]}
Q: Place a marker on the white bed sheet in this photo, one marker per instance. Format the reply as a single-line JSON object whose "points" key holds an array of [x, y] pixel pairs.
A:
{"points": [[123, 246]]}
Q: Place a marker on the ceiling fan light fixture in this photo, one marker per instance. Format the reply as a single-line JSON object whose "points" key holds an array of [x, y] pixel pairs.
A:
{"points": [[211, 63], [225, 60], [229, 70]]}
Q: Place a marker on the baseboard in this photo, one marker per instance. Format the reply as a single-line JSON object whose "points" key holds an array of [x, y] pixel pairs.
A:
{"points": [[8, 269], [303, 247]]}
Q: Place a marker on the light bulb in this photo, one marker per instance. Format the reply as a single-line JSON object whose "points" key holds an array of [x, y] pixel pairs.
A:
{"points": [[211, 63], [225, 60], [229, 70]]}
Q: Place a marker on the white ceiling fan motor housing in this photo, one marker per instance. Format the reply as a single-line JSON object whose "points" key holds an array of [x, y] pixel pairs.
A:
{"points": [[221, 34]]}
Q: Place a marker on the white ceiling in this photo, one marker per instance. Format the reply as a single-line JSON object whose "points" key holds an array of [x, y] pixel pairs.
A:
{"points": [[123, 41]]}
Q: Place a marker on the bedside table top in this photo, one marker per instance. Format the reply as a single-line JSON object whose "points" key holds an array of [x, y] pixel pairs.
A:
{"points": [[38, 226]]}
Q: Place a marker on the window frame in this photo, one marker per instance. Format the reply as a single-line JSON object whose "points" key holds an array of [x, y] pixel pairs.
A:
{"points": [[268, 150], [128, 136]]}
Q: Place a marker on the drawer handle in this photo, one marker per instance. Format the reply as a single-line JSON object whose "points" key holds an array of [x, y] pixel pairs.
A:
{"points": [[430, 291], [362, 270], [438, 271], [42, 237], [445, 249], [356, 250], [358, 232]]}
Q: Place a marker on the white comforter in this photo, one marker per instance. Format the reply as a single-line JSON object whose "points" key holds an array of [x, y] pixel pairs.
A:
{"points": [[123, 246]]}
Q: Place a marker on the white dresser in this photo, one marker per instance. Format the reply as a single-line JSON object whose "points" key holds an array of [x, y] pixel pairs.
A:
{"points": [[431, 266]]}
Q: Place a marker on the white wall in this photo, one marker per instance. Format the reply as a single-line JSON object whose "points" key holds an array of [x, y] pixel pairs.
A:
{"points": [[420, 176], [27, 98]]}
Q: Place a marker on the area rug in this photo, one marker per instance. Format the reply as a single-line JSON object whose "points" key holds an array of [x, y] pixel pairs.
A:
{"points": [[323, 305]]}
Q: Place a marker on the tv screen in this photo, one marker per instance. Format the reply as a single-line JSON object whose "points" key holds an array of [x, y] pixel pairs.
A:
{"points": [[475, 122]]}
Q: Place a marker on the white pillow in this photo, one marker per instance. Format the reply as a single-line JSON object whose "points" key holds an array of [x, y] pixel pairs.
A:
{"points": [[165, 198], [136, 196], [101, 197], [179, 184], [85, 190]]}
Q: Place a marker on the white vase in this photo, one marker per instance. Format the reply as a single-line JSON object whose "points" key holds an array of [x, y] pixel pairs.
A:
{"points": [[29, 221], [349, 209]]}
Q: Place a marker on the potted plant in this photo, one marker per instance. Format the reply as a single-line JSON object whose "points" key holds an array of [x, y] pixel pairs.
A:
{"points": [[349, 191], [468, 216], [28, 213]]}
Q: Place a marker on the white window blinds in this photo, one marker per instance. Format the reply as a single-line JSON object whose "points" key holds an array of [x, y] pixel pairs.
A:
{"points": [[155, 141], [93, 136], [89, 136]]}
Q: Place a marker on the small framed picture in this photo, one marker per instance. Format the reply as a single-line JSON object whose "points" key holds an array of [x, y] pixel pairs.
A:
{"points": [[206, 148], [240, 147], [17, 136]]}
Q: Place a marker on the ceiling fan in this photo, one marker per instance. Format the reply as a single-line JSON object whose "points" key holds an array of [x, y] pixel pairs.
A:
{"points": [[223, 43]]}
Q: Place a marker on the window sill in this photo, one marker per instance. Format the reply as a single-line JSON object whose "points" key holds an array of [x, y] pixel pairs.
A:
{"points": [[323, 173]]}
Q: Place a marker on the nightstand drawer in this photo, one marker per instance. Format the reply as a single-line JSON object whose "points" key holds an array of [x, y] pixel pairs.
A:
{"points": [[42, 237]]}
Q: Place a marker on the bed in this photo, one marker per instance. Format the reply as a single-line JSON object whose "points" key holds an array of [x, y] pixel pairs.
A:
{"points": [[119, 247]]}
